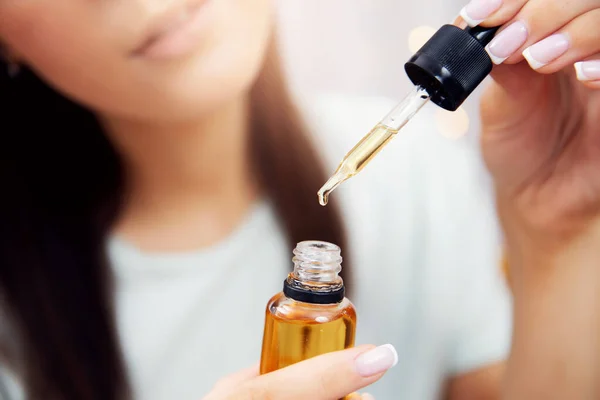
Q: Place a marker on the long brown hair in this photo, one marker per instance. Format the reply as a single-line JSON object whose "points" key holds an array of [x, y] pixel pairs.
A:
{"points": [[62, 190], [287, 164]]}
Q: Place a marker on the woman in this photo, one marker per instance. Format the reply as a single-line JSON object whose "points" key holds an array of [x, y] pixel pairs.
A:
{"points": [[154, 208], [173, 156]]}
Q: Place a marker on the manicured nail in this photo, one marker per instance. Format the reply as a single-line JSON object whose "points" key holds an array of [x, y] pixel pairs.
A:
{"points": [[588, 70], [376, 361], [477, 11], [546, 51], [367, 396], [507, 42]]}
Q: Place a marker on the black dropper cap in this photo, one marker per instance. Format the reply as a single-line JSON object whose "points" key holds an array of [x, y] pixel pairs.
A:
{"points": [[452, 64]]}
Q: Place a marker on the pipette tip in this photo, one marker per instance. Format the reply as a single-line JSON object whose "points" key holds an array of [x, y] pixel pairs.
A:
{"points": [[329, 187], [323, 197]]}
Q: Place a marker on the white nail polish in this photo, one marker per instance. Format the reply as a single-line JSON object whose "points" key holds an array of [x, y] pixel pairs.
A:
{"points": [[579, 70], [470, 21], [496, 60], [533, 63], [393, 350]]}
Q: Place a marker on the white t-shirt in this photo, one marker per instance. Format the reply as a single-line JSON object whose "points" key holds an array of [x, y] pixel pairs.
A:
{"points": [[425, 247]]}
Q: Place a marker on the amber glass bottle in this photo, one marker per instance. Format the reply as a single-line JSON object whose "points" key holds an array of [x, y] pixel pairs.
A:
{"points": [[311, 316]]}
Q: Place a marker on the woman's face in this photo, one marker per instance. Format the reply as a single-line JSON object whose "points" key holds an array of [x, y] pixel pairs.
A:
{"points": [[142, 59]]}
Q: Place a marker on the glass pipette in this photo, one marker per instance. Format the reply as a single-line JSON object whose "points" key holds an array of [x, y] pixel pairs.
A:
{"points": [[375, 141], [445, 70]]}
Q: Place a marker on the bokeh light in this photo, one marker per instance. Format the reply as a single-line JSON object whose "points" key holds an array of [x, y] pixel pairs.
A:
{"points": [[418, 37], [452, 125]]}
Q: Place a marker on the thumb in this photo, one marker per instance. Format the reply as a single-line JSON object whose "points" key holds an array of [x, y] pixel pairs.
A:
{"points": [[329, 376], [518, 114], [512, 96], [238, 377]]}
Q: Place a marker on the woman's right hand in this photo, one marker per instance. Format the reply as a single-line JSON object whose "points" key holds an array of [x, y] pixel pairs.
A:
{"points": [[541, 142], [327, 377], [540, 122]]}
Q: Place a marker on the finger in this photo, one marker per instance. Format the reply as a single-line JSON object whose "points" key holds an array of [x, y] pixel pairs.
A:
{"points": [[593, 85], [459, 22], [238, 377], [588, 71], [576, 41], [490, 12], [358, 396], [333, 375], [535, 21]]}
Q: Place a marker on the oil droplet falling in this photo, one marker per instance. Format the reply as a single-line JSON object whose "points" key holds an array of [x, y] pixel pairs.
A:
{"points": [[329, 186], [323, 197]]}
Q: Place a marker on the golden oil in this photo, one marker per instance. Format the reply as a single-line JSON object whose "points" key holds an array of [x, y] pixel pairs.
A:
{"points": [[296, 331], [373, 142], [311, 316], [368, 147], [357, 158]]}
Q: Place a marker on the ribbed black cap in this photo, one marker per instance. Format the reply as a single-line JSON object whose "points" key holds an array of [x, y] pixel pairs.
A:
{"points": [[452, 64]]}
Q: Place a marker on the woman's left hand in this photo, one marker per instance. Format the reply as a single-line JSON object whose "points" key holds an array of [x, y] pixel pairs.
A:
{"points": [[224, 387]]}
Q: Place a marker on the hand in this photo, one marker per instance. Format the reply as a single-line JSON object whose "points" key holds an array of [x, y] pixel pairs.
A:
{"points": [[541, 142], [328, 377], [541, 122]]}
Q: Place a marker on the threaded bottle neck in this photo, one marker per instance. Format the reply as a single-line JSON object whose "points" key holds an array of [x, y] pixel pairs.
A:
{"points": [[317, 262], [315, 278]]}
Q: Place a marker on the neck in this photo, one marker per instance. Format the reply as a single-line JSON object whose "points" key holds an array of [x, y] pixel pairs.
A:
{"points": [[185, 177]]}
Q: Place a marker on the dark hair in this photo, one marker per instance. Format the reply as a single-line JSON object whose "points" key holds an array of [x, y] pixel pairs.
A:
{"points": [[62, 190]]}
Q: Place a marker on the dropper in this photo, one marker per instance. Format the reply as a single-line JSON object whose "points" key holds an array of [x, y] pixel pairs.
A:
{"points": [[446, 70]]}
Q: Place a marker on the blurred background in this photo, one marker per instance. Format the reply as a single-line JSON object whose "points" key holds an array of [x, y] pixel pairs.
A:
{"points": [[359, 47]]}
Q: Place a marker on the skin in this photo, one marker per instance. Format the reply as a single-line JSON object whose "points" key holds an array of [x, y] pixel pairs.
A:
{"points": [[334, 373], [541, 141], [146, 104], [173, 120]]}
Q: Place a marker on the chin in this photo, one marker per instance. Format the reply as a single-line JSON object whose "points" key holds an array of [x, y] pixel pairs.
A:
{"points": [[188, 105]]}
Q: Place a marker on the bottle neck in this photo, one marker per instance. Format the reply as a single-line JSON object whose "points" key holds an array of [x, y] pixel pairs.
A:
{"points": [[315, 278]]}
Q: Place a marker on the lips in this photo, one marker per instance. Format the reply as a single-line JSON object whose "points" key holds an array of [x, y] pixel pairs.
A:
{"points": [[167, 23]]}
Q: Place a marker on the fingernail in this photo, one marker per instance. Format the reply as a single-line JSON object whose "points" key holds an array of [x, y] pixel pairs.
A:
{"points": [[546, 50], [376, 361], [507, 42], [588, 70], [477, 11], [367, 396]]}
